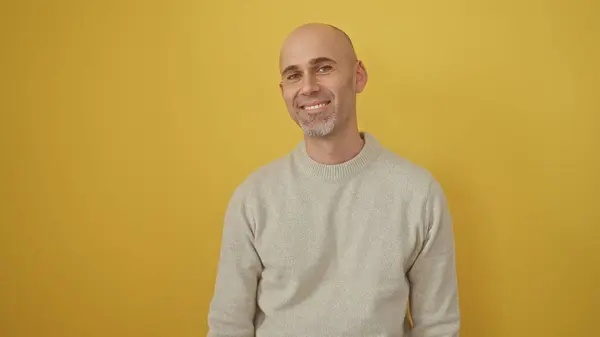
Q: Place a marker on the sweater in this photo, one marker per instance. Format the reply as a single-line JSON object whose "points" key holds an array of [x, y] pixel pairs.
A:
{"points": [[317, 250]]}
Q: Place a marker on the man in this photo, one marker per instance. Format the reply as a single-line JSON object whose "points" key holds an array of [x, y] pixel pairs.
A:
{"points": [[335, 238]]}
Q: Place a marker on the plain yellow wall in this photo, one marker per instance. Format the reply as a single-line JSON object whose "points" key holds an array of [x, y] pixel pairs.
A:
{"points": [[126, 125]]}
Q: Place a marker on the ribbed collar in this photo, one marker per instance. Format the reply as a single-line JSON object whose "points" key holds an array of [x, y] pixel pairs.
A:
{"points": [[368, 153]]}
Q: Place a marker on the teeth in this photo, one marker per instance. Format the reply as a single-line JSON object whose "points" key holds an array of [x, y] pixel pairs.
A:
{"points": [[312, 107]]}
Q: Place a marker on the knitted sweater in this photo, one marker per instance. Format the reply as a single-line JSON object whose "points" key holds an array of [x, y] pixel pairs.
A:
{"points": [[316, 250]]}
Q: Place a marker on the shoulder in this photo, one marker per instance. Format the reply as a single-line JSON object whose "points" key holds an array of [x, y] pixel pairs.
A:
{"points": [[248, 196], [271, 173], [412, 184], [402, 173]]}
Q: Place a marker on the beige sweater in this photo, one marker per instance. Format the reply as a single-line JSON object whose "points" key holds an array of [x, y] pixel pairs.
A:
{"points": [[314, 250]]}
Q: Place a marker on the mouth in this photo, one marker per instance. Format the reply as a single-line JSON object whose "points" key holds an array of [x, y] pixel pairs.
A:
{"points": [[315, 106]]}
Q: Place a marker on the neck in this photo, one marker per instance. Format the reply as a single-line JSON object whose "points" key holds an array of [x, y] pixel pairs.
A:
{"points": [[335, 148]]}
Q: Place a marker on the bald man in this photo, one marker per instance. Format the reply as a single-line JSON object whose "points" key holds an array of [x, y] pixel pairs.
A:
{"points": [[335, 238]]}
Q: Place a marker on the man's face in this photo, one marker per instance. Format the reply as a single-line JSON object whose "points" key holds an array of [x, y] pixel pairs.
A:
{"points": [[318, 82]]}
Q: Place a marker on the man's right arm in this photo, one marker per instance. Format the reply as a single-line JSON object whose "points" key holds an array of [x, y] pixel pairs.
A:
{"points": [[233, 305]]}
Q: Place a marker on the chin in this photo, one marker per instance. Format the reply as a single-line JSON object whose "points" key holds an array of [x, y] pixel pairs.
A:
{"points": [[321, 129]]}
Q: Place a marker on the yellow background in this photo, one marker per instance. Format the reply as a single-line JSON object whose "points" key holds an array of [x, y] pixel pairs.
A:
{"points": [[125, 126]]}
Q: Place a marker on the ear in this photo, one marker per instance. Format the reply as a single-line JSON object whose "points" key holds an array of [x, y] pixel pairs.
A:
{"points": [[361, 77]]}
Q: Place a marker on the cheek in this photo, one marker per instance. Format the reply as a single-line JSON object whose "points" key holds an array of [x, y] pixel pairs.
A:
{"points": [[343, 90], [334, 87], [288, 97]]}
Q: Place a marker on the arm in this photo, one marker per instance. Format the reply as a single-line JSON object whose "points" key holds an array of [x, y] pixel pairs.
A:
{"points": [[433, 281], [233, 305]]}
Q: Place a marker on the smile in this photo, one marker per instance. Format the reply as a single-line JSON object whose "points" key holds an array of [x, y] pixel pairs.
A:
{"points": [[315, 105]]}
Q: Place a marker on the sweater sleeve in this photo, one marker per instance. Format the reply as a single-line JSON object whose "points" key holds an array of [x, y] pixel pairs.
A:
{"points": [[233, 305], [433, 281]]}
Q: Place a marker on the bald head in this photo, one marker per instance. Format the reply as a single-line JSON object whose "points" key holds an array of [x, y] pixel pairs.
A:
{"points": [[317, 38], [320, 77]]}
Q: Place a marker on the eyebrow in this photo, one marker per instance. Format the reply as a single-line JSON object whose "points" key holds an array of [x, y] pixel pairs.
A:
{"points": [[314, 61]]}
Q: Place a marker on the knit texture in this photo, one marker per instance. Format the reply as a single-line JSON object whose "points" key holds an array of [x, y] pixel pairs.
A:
{"points": [[316, 250]]}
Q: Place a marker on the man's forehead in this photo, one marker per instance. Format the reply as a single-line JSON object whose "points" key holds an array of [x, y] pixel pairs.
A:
{"points": [[304, 52]]}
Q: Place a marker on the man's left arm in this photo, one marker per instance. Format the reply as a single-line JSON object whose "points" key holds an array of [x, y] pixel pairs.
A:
{"points": [[433, 282]]}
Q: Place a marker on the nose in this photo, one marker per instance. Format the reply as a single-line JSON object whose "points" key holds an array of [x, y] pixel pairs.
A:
{"points": [[309, 85]]}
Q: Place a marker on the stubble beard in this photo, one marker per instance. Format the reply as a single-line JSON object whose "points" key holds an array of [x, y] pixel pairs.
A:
{"points": [[318, 126]]}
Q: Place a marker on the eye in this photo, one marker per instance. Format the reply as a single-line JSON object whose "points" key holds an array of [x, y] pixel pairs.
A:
{"points": [[292, 77], [325, 69]]}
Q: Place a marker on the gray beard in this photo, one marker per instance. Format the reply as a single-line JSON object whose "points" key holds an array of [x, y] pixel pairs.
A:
{"points": [[320, 128]]}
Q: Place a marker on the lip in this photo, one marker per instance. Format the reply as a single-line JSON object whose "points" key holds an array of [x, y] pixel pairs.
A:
{"points": [[313, 106]]}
